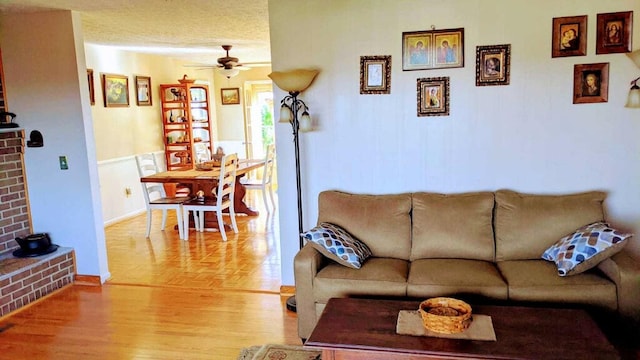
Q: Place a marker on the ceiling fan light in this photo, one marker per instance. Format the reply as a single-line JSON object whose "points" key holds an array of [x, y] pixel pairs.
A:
{"points": [[229, 73]]}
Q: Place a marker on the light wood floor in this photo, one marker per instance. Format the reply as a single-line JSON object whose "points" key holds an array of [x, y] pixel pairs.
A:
{"points": [[166, 299]]}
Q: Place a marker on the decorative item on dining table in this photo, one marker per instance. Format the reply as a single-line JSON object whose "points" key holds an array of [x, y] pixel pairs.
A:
{"points": [[445, 315]]}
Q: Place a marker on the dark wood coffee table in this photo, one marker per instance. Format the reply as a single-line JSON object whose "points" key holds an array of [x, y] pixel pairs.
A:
{"points": [[360, 329]]}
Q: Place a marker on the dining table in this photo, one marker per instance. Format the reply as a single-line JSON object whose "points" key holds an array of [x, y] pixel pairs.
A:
{"points": [[206, 180]]}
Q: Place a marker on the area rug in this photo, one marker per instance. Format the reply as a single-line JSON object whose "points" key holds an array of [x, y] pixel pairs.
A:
{"points": [[278, 352]]}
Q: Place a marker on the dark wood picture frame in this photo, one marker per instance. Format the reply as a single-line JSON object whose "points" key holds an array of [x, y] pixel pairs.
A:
{"points": [[375, 74], [614, 32], [569, 36], [143, 91], [92, 90], [230, 96], [115, 90], [433, 96], [493, 64], [590, 83], [432, 49]]}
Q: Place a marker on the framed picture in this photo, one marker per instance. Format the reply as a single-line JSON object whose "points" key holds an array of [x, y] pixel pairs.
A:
{"points": [[433, 49], [230, 96], [569, 36], [143, 91], [591, 83], [433, 96], [92, 91], [375, 74], [493, 63], [115, 90], [614, 32]]}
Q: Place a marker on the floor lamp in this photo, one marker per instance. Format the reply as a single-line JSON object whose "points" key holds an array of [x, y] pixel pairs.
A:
{"points": [[295, 112]]}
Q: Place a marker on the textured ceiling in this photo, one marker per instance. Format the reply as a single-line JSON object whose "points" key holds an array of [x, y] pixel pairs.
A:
{"points": [[193, 30]]}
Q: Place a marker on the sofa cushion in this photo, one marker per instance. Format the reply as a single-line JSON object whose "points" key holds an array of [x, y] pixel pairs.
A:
{"points": [[380, 221], [376, 277], [338, 245], [456, 226], [538, 281], [449, 277], [526, 225], [585, 248]]}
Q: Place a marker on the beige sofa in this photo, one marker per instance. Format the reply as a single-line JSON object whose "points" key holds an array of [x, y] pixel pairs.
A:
{"points": [[483, 245]]}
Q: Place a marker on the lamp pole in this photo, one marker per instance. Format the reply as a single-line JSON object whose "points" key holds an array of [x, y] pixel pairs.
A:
{"points": [[295, 123]]}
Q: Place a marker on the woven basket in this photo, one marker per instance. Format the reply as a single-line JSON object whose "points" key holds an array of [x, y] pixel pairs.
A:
{"points": [[445, 315]]}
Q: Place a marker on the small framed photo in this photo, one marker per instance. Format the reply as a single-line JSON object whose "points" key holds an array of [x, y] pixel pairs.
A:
{"points": [[375, 74], [230, 96], [433, 96], [115, 90], [569, 36], [614, 32], [92, 90], [143, 90], [591, 83], [432, 49], [493, 63]]}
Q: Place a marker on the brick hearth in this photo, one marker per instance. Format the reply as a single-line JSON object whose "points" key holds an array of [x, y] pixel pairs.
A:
{"points": [[27, 279]]}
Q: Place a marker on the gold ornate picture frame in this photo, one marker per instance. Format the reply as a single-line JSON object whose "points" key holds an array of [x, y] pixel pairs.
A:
{"points": [[493, 65], [591, 83], [433, 96], [432, 49], [569, 36], [375, 74], [230, 96]]}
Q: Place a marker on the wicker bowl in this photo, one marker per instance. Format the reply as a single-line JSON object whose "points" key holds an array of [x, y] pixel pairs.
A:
{"points": [[445, 315]]}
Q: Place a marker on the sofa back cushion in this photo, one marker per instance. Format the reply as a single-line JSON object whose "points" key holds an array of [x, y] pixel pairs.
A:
{"points": [[453, 226], [527, 224], [382, 222]]}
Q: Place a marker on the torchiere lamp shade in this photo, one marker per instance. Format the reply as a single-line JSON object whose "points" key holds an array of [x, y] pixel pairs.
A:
{"points": [[294, 80]]}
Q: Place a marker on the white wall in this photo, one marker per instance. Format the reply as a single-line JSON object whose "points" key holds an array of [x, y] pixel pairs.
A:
{"points": [[527, 136], [49, 93]]}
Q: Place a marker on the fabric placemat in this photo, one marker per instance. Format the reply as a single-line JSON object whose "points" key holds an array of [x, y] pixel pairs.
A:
{"points": [[410, 323]]}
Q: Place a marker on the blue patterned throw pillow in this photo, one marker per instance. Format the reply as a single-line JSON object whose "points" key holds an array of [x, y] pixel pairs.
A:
{"points": [[338, 245], [585, 248]]}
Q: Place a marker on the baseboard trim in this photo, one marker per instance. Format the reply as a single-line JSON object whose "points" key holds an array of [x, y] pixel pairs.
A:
{"points": [[87, 280], [287, 290]]}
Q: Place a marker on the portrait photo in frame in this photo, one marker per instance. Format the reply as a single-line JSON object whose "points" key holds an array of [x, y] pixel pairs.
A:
{"points": [[493, 63], [115, 90], [614, 32], [433, 96], [375, 74], [591, 83], [432, 49], [92, 90], [230, 96], [143, 90], [569, 36]]}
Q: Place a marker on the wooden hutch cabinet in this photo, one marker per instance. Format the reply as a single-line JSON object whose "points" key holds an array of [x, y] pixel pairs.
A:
{"points": [[186, 121]]}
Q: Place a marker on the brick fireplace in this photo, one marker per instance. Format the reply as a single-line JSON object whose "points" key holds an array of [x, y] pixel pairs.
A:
{"points": [[23, 280]]}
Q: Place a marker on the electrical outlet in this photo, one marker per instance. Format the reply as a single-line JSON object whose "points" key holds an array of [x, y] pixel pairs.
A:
{"points": [[127, 191]]}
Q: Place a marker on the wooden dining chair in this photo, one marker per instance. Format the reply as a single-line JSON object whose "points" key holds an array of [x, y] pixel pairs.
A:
{"points": [[154, 194], [265, 183], [222, 198]]}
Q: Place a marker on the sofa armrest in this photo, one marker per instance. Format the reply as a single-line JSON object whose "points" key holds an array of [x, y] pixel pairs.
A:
{"points": [[306, 264], [624, 270]]}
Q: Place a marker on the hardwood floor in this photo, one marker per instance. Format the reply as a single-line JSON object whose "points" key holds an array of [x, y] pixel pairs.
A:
{"points": [[166, 299]]}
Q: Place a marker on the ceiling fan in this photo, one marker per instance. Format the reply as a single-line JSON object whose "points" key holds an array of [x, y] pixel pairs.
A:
{"points": [[228, 66]]}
